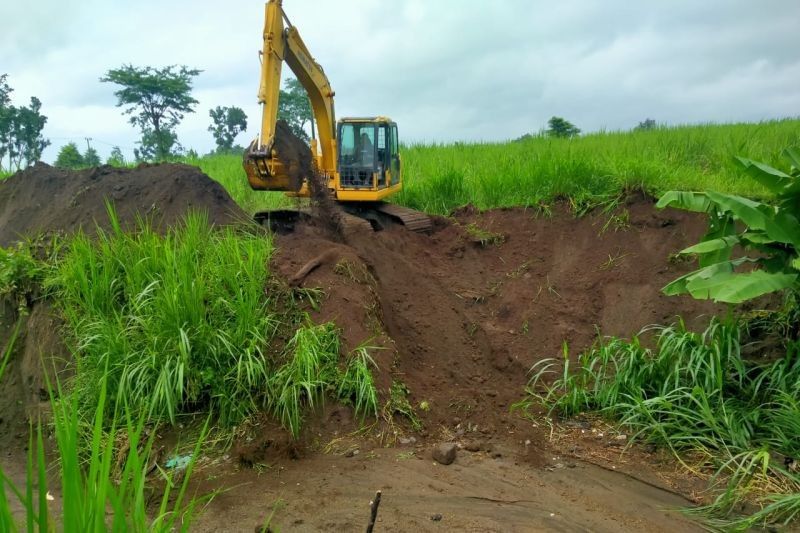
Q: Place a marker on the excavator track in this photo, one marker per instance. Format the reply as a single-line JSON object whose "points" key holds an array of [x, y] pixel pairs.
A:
{"points": [[354, 218], [412, 219], [382, 215]]}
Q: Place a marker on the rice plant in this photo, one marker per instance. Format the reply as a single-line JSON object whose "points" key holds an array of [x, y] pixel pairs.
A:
{"points": [[694, 393]]}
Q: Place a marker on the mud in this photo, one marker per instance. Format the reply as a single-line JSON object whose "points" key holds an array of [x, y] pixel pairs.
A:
{"points": [[46, 200]]}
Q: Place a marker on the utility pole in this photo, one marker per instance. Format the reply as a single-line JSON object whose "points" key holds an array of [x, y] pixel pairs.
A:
{"points": [[88, 146]]}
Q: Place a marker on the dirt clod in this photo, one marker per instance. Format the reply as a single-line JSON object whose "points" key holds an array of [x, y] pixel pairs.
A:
{"points": [[445, 453]]}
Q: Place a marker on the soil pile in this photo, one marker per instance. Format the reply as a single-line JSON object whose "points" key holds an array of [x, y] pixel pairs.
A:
{"points": [[45, 199], [463, 314]]}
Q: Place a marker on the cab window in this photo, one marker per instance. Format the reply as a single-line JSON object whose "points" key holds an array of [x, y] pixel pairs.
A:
{"points": [[347, 139]]}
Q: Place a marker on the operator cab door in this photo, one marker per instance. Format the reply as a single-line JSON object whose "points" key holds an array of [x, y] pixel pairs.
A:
{"points": [[388, 155], [394, 155], [359, 162]]}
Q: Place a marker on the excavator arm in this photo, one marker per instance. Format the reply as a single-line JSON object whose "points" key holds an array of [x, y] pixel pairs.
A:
{"points": [[282, 42]]}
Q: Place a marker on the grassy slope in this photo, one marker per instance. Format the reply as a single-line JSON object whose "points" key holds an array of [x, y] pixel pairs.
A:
{"points": [[440, 177]]}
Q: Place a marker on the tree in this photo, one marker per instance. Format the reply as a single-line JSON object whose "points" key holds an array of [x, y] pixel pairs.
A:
{"points": [[157, 100], [561, 128], [295, 108], [7, 117], [648, 124], [20, 129], [91, 158], [116, 159], [227, 123], [70, 157]]}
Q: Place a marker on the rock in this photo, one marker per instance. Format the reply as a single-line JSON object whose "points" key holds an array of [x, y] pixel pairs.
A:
{"points": [[351, 452], [445, 453], [436, 517], [406, 441]]}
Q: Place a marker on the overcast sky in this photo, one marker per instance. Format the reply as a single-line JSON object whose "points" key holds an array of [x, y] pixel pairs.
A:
{"points": [[443, 69]]}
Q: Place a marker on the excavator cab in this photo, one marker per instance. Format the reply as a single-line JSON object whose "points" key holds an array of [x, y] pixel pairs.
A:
{"points": [[369, 157]]}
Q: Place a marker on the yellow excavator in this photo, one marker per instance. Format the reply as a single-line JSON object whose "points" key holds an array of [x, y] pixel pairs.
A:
{"points": [[357, 159]]}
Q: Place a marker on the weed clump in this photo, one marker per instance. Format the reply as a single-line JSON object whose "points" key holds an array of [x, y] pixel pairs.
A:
{"points": [[695, 393]]}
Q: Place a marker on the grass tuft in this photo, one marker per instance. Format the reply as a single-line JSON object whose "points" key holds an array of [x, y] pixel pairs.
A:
{"points": [[694, 393]]}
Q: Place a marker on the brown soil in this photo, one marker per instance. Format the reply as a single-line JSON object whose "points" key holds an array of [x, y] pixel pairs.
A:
{"points": [[293, 153], [463, 322], [44, 199], [459, 323]]}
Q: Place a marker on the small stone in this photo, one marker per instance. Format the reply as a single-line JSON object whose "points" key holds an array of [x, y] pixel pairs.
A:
{"points": [[405, 441], [351, 453], [436, 517], [621, 437], [445, 453]]}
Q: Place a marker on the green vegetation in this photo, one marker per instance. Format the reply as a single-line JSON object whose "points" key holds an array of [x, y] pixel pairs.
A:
{"points": [[189, 321], [562, 128], [104, 493], [21, 139], [700, 397], [156, 100], [174, 321], [162, 326], [771, 231], [226, 124], [70, 157], [536, 170], [312, 371]]}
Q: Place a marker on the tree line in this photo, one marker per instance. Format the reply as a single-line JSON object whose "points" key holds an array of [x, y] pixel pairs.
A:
{"points": [[155, 100], [21, 140]]}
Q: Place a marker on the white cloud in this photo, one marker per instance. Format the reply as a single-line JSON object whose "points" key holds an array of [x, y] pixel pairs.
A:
{"points": [[445, 70]]}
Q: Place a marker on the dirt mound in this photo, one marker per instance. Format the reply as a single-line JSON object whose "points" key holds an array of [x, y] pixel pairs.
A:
{"points": [[44, 199], [465, 313]]}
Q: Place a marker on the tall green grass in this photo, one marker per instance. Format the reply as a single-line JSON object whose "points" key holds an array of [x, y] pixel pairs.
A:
{"points": [[175, 322], [695, 393], [97, 492], [537, 169], [191, 320], [439, 177]]}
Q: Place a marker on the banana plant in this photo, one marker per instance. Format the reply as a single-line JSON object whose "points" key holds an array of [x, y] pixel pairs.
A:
{"points": [[764, 236]]}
